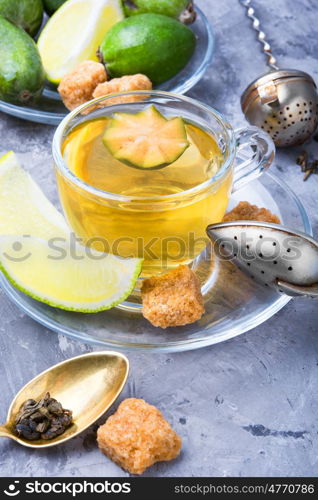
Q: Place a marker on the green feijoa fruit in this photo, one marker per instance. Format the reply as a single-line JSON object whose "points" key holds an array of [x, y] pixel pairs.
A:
{"points": [[163, 140], [27, 14], [155, 45], [51, 6], [171, 8], [21, 71]]}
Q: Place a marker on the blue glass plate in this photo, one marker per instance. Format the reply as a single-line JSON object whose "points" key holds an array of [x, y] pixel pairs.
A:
{"points": [[234, 304], [50, 109]]}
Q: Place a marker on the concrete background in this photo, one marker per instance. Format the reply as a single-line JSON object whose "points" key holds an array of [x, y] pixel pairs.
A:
{"points": [[247, 407]]}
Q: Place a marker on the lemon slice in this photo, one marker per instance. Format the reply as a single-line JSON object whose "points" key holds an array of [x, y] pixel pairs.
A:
{"points": [[77, 146], [89, 281], [74, 33], [23, 207]]}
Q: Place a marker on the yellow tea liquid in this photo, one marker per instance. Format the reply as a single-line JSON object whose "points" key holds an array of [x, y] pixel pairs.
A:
{"points": [[165, 232]]}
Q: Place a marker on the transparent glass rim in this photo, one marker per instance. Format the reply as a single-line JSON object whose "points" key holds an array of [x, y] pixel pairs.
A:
{"points": [[106, 195]]}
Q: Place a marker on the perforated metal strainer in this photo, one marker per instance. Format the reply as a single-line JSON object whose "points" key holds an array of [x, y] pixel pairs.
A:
{"points": [[284, 103], [273, 255]]}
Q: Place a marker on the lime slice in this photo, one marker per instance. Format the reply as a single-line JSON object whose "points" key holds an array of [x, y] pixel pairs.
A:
{"points": [[80, 279], [54, 271], [74, 33], [23, 207]]}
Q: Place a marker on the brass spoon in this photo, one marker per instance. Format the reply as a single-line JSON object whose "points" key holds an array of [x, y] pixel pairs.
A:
{"points": [[88, 385]]}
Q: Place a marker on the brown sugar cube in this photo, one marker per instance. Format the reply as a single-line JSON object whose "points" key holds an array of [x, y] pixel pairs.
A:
{"points": [[124, 84], [173, 299], [78, 86], [137, 436], [245, 211]]}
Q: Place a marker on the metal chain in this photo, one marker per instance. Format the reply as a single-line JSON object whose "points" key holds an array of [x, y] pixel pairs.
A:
{"points": [[250, 12]]}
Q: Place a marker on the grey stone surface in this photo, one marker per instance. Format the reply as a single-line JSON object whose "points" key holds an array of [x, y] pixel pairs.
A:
{"points": [[245, 407]]}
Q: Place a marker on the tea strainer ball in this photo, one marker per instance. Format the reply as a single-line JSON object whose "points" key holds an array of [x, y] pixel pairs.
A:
{"points": [[284, 103]]}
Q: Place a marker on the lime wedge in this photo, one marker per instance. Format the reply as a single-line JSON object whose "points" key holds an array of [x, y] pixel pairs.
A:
{"points": [[23, 207], [54, 271], [74, 33], [89, 281]]}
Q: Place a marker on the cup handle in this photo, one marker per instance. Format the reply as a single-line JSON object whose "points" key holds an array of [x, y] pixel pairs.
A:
{"points": [[255, 153]]}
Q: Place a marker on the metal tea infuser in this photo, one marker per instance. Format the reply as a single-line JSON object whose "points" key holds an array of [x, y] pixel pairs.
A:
{"points": [[273, 255], [284, 103]]}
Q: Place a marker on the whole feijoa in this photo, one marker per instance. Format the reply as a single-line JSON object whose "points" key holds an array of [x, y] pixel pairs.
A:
{"points": [[50, 6], [171, 8], [155, 45], [27, 14], [21, 71]]}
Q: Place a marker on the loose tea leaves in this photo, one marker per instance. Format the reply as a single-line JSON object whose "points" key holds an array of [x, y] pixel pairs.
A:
{"points": [[44, 419], [307, 166]]}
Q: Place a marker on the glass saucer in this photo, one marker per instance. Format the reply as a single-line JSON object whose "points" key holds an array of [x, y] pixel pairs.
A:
{"points": [[50, 109], [234, 304]]}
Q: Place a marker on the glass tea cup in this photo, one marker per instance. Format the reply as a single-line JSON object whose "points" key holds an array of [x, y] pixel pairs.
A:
{"points": [[159, 215]]}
